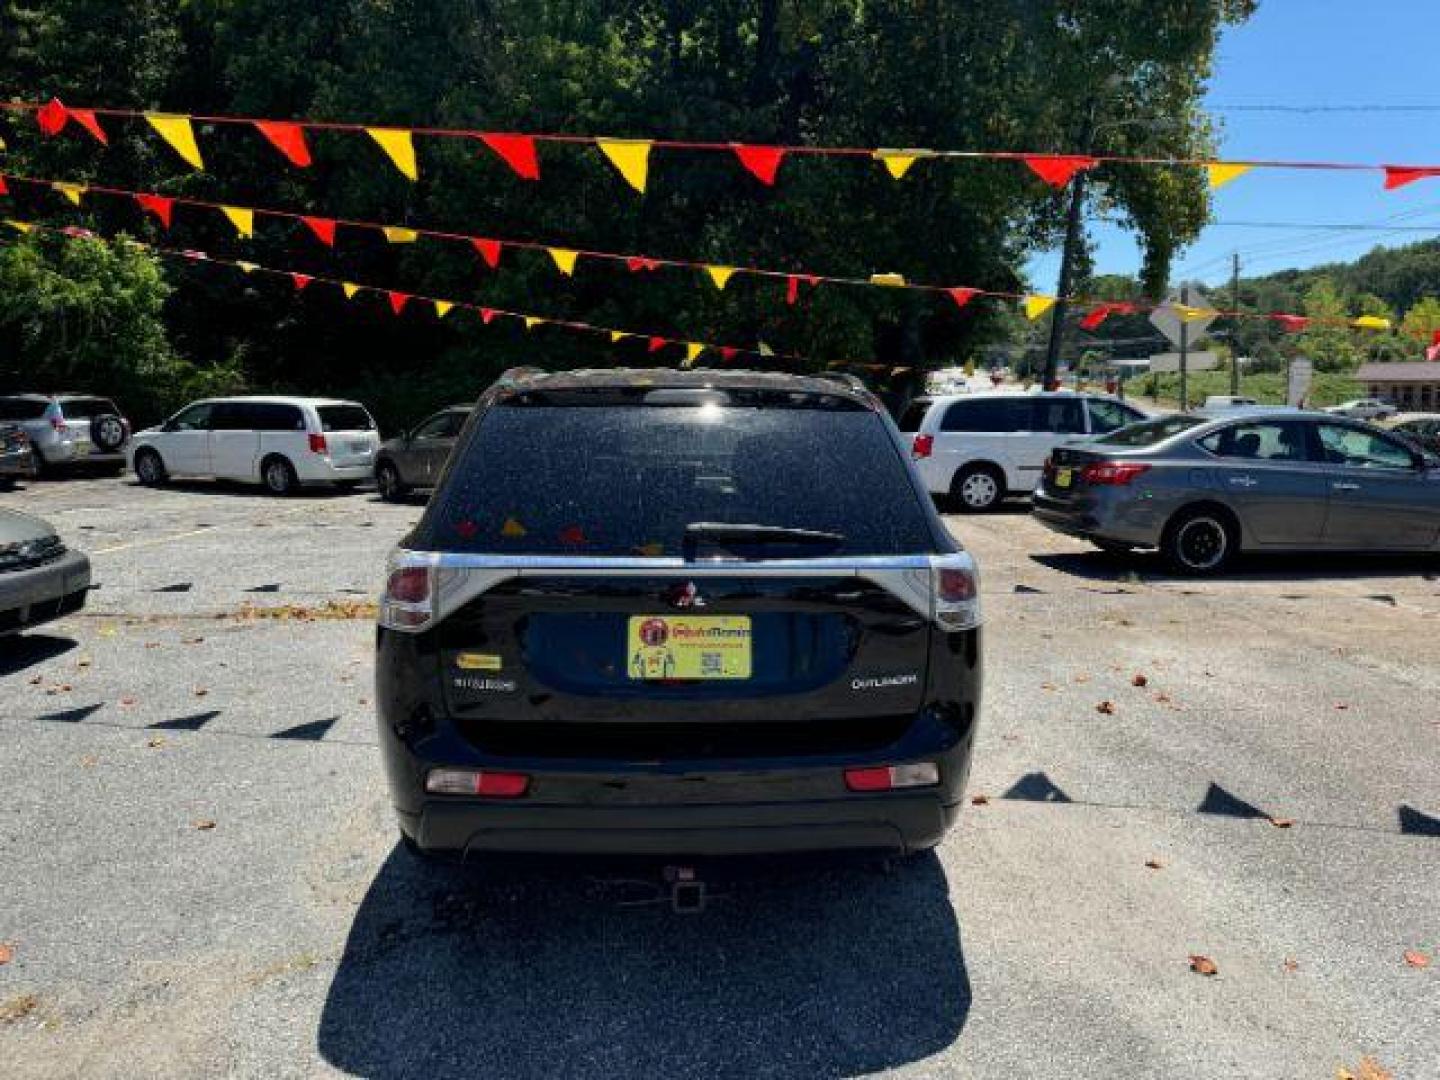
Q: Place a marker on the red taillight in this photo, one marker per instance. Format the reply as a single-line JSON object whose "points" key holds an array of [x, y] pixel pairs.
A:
{"points": [[317, 445], [409, 585], [955, 586], [868, 779], [501, 785], [493, 785], [890, 777], [1112, 473], [923, 446]]}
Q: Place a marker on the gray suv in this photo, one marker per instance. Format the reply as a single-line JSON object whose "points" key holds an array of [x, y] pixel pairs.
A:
{"points": [[69, 430]]}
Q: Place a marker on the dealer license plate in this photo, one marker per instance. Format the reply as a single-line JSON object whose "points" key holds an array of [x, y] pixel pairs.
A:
{"points": [[688, 647], [1064, 477]]}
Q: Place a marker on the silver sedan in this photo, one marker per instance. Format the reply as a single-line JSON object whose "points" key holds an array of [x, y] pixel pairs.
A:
{"points": [[40, 579], [1201, 490]]}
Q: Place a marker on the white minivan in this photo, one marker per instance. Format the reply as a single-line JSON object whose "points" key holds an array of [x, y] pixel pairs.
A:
{"points": [[975, 449], [281, 442]]}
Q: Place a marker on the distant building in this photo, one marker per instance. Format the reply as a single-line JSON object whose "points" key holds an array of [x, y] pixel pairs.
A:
{"points": [[1413, 387]]}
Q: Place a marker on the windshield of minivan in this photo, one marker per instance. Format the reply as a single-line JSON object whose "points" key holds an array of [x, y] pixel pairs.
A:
{"points": [[626, 480], [1150, 432]]}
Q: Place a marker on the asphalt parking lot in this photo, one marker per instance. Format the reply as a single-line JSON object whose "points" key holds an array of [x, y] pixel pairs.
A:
{"points": [[199, 874]]}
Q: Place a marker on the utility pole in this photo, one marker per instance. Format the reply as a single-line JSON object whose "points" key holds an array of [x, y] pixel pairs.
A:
{"points": [[1235, 324], [1184, 352]]}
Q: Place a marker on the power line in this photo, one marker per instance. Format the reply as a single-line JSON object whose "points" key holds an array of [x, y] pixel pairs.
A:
{"points": [[1308, 109]]}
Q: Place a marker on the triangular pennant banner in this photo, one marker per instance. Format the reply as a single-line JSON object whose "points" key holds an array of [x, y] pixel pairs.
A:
{"points": [[241, 218], [489, 251], [398, 300], [1186, 313], [564, 260], [618, 335], [87, 119], [962, 296], [19, 226], [349, 288], [1097, 315], [898, 162], [631, 157], [727, 352], [1220, 173], [52, 117], [443, 308], [762, 161], [176, 131], [893, 280], [720, 275], [323, 228], [1292, 323], [247, 267], [400, 146], [692, 350], [1371, 322], [396, 235], [301, 281], [518, 151], [1036, 305], [532, 321], [636, 263], [792, 289], [160, 205], [487, 315], [1057, 170], [4, 189], [288, 138], [1400, 175], [656, 344], [70, 191]]}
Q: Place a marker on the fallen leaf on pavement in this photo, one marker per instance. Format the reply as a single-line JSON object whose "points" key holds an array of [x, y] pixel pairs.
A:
{"points": [[1140, 680], [127, 701], [152, 644], [1416, 959], [979, 800], [1282, 822], [1154, 864], [1368, 1069], [1048, 686], [89, 761], [18, 1007], [37, 680], [200, 691], [84, 661], [1162, 697], [7, 952], [1082, 678], [156, 742], [1291, 965], [1106, 707], [1203, 965], [1341, 705], [203, 824]]}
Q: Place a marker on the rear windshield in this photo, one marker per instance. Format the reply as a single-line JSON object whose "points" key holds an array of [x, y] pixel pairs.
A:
{"points": [[1150, 432], [626, 479], [87, 408], [22, 409], [344, 418]]}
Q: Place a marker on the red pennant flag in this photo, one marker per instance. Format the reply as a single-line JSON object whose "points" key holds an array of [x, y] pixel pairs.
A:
{"points": [[86, 118], [3, 189], [302, 282], [518, 151], [762, 161], [1292, 323], [323, 228], [486, 314], [52, 117], [288, 138], [159, 205], [489, 251], [963, 296], [1435, 339], [398, 300], [636, 263], [792, 289], [573, 534], [1057, 170], [656, 344], [727, 352], [1400, 175]]}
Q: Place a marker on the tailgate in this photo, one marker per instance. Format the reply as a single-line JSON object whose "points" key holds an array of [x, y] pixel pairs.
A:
{"points": [[352, 447]]}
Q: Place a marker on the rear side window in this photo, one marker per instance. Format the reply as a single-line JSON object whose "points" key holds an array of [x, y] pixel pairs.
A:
{"points": [[1150, 432], [625, 480], [87, 408], [257, 416], [344, 418], [22, 409], [988, 415]]}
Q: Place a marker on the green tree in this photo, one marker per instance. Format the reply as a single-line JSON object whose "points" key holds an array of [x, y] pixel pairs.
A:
{"points": [[1327, 342]]}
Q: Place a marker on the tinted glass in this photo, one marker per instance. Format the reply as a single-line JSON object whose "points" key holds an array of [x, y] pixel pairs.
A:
{"points": [[344, 418], [1064, 416], [438, 427], [617, 480], [1150, 432], [231, 416], [1363, 449], [87, 408], [914, 415], [22, 409], [988, 414], [195, 418], [1269, 440], [1108, 416]]}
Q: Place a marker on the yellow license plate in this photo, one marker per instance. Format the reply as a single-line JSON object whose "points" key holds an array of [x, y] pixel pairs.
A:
{"points": [[1064, 477], [688, 647]]}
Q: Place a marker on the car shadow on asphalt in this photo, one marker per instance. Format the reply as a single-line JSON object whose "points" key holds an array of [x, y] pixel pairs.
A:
{"points": [[1325, 566], [18, 652], [234, 489], [810, 969]]}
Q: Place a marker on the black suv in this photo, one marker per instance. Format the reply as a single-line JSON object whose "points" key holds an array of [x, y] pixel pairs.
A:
{"points": [[678, 612]]}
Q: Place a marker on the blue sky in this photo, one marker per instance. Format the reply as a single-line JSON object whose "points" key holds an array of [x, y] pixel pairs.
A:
{"points": [[1307, 53]]}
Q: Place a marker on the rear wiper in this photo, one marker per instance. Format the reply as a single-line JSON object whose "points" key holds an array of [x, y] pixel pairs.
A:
{"points": [[725, 535]]}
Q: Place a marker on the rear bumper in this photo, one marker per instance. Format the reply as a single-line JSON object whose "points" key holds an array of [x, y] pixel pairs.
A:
{"points": [[318, 471], [17, 463], [39, 595], [1098, 519]]}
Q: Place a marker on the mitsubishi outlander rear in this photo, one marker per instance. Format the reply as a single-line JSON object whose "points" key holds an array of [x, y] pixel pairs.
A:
{"points": [[678, 613]]}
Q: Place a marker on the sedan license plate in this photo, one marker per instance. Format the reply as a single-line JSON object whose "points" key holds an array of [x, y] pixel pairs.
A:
{"points": [[1064, 477], [660, 647]]}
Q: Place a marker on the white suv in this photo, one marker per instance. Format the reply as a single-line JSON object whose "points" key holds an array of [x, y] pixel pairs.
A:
{"points": [[281, 442], [976, 448]]}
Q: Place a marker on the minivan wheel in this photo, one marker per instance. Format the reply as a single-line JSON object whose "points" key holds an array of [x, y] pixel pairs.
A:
{"points": [[977, 489], [1199, 541], [387, 479], [278, 475], [149, 469]]}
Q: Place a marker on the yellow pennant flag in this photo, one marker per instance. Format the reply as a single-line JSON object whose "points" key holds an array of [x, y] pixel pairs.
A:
{"points": [[241, 218], [176, 131], [1371, 322], [70, 191], [398, 143], [692, 350], [1185, 313], [512, 528], [397, 235], [19, 226], [1036, 305], [618, 335], [631, 157], [442, 308], [349, 288], [720, 275], [532, 321], [248, 267], [898, 162], [564, 260], [1221, 173], [893, 280]]}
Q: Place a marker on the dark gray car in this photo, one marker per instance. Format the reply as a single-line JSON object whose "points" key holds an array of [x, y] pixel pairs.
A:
{"points": [[40, 579], [417, 458], [16, 457], [1201, 490]]}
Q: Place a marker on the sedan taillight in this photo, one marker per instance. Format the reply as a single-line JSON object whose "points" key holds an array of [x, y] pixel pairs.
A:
{"points": [[1112, 473]]}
